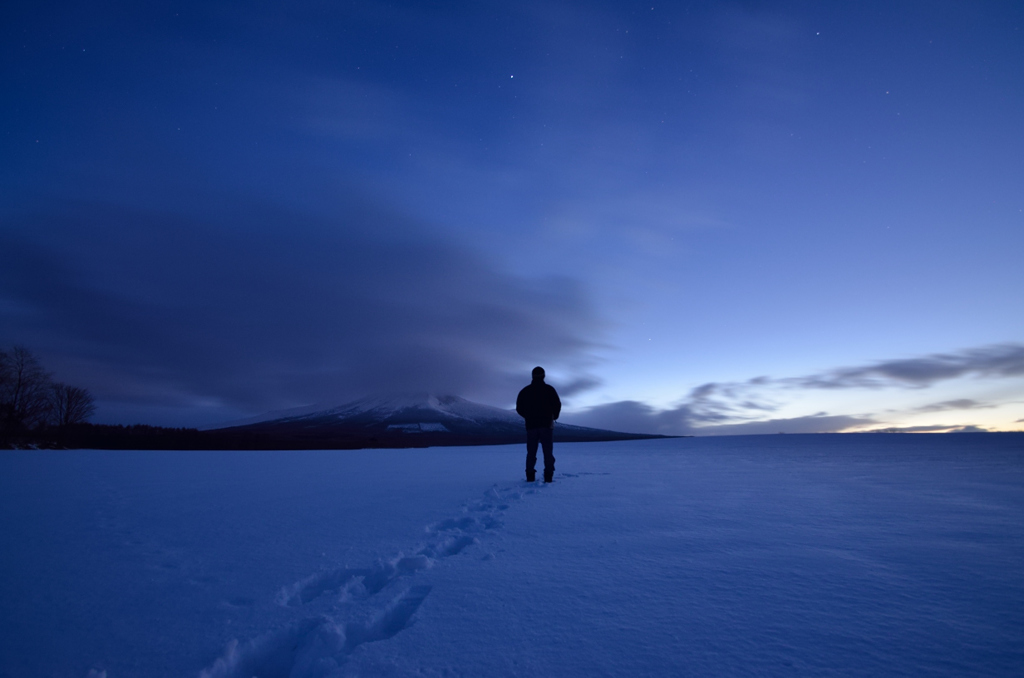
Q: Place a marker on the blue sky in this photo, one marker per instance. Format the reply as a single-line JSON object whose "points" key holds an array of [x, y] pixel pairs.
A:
{"points": [[702, 217]]}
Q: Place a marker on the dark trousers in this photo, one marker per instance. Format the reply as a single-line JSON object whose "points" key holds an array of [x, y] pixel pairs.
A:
{"points": [[542, 436]]}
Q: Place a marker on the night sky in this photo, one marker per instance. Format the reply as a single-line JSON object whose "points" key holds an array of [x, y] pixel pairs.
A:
{"points": [[712, 217]]}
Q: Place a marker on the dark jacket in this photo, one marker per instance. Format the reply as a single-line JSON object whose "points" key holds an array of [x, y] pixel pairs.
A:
{"points": [[539, 405]]}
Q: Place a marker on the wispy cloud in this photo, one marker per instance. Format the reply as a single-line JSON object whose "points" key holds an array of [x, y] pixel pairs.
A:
{"points": [[1000, 360], [959, 404], [932, 428], [821, 422]]}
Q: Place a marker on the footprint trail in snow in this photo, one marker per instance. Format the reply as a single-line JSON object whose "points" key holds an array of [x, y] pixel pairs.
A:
{"points": [[318, 645]]}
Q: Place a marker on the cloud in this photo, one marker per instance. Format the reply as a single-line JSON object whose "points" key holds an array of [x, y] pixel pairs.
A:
{"points": [[710, 409], [636, 417], [578, 385], [930, 428], [959, 404], [1000, 360], [264, 309], [815, 423], [706, 405], [631, 416]]}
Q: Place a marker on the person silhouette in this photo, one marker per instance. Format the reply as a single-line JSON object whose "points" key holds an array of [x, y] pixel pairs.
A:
{"points": [[539, 405]]}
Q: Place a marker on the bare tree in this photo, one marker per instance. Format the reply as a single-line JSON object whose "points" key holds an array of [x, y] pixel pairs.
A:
{"points": [[6, 376], [70, 405], [24, 390]]}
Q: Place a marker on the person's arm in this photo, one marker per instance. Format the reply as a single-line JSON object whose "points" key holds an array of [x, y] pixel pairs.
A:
{"points": [[556, 408], [519, 404]]}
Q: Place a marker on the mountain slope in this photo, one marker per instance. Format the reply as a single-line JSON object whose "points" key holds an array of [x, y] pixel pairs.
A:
{"points": [[410, 420]]}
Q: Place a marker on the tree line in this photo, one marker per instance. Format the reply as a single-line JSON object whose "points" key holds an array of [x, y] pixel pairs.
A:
{"points": [[37, 411], [32, 404]]}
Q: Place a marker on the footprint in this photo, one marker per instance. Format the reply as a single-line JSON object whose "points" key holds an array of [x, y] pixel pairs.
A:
{"points": [[276, 653], [394, 619], [373, 580], [385, 573], [314, 586], [486, 507], [454, 546], [314, 646], [466, 524]]}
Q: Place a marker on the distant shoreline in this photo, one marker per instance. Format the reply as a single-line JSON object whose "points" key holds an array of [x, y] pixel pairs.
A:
{"points": [[144, 437]]}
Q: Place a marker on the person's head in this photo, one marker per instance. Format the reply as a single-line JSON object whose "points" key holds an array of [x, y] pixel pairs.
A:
{"points": [[538, 374]]}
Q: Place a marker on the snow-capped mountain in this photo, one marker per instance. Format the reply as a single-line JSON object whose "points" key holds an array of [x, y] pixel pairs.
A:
{"points": [[407, 420]]}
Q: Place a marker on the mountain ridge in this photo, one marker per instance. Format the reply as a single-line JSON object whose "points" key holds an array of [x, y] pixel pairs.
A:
{"points": [[404, 420]]}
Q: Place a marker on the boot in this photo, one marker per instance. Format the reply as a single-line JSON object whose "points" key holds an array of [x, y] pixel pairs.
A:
{"points": [[531, 476], [549, 477]]}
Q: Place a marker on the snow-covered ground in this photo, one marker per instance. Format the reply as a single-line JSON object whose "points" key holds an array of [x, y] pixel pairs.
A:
{"points": [[855, 555]]}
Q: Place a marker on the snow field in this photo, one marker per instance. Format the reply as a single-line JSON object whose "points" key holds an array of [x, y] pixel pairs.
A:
{"points": [[750, 556]]}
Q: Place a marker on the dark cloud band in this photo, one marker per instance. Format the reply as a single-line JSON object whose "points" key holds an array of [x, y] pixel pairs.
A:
{"points": [[266, 309]]}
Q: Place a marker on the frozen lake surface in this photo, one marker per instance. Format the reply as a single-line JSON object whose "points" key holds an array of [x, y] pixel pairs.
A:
{"points": [[852, 555]]}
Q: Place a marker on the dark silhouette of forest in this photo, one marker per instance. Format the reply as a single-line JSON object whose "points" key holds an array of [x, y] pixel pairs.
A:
{"points": [[142, 437]]}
